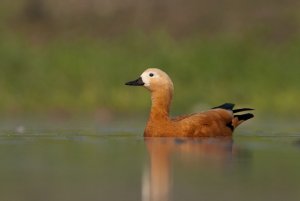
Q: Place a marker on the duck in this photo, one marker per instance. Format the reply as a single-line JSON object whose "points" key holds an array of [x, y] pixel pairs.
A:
{"points": [[217, 121]]}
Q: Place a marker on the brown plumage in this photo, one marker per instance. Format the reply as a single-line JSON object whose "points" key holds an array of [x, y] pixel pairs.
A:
{"points": [[219, 121]]}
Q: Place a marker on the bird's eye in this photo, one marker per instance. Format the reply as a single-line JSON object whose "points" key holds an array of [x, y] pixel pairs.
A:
{"points": [[151, 74]]}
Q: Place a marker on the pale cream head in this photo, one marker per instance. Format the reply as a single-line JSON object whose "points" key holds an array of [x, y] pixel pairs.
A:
{"points": [[155, 79]]}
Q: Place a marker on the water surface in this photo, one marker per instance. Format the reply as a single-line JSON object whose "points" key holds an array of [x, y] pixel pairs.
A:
{"points": [[119, 164]]}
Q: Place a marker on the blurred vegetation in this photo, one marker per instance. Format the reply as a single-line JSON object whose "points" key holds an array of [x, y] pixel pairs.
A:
{"points": [[75, 56]]}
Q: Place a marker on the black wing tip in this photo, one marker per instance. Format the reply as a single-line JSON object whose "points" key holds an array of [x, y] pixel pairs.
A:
{"points": [[226, 106], [244, 117], [242, 110]]}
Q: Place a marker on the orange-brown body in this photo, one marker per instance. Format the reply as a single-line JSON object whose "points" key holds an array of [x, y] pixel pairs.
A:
{"points": [[211, 123]]}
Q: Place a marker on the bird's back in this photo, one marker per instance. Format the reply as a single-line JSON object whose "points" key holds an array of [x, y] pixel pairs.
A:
{"points": [[206, 124], [214, 122]]}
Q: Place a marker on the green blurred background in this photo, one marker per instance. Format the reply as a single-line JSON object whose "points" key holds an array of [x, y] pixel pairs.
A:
{"points": [[72, 57]]}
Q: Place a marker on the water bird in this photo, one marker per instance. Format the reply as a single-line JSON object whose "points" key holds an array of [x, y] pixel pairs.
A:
{"points": [[217, 121]]}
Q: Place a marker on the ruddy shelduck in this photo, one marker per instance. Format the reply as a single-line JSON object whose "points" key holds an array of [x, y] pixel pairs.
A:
{"points": [[218, 121]]}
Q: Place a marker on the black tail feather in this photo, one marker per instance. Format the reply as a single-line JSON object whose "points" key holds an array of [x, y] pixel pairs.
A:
{"points": [[230, 106], [226, 106], [244, 117], [241, 110], [241, 117]]}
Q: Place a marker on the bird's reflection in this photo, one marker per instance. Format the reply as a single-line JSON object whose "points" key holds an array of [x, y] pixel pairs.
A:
{"points": [[157, 179]]}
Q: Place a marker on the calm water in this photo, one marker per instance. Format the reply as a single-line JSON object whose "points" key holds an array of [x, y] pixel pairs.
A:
{"points": [[109, 164]]}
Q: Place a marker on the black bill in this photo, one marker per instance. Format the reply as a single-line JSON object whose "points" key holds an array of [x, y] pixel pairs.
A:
{"points": [[137, 82]]}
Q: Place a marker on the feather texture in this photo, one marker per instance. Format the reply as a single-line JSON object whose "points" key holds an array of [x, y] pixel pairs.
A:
{"points": [[218, 121]]}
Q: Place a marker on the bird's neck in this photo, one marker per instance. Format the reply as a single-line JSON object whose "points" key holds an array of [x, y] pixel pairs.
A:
{"points": [[161, 101]]}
